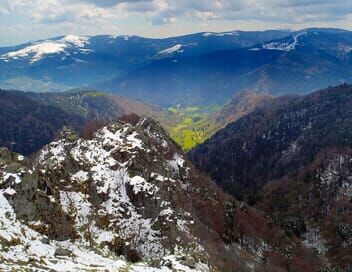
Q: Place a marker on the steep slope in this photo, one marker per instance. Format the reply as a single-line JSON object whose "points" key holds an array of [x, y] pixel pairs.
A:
{"points": [[311, 59], [240, 105], [93, 105], [315, 204], [128, 200], [27, 125], [276, 139], [292, 159]]}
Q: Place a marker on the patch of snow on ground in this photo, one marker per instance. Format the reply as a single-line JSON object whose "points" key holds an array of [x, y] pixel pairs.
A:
{"points": [[139, 184], [76, 204], [36, 51], [174, 49], [80, 176], [15, 177], [176, 163], [79, 41], [313, 239], [285, 46]]}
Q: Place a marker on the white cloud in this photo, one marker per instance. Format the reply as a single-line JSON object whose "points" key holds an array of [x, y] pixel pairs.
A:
{"points": [[151, 16]]}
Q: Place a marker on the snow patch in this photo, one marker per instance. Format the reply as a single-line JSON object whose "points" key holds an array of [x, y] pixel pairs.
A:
{"points": [[79, 41], [174, 49], [221, 34], [139, 184], [80, 176], [285, 46], [313, 239], [39, 50]]}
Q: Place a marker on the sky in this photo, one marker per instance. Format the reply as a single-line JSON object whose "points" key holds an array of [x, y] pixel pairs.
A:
{"points": [[27, 20]]}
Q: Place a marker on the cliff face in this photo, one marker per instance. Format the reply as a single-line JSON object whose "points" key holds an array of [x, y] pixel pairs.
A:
{"points": [[126, 199]]}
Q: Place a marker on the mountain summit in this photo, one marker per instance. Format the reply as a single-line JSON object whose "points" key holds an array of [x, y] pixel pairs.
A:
{"points": [[127, 199]]}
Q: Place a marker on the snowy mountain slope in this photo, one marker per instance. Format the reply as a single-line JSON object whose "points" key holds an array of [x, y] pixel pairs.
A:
{"points": [[127, 200], [105, 202], [285, 46], [334, 41], [41, 49], [76, 61], [174, 49]]}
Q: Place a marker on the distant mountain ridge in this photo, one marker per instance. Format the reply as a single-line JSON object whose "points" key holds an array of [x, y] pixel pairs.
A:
{"points": [[197, 69], [192, 67], [299, 63], [75, 61], [31, 120]]}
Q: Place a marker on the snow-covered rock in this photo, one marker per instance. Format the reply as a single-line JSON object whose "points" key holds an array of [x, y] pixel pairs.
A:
{"points": [[126, 199], [102, 203]]}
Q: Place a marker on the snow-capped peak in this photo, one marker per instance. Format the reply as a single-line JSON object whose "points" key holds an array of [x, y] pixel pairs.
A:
{"points": [[79, 41], [116, 205], [38, 50]]}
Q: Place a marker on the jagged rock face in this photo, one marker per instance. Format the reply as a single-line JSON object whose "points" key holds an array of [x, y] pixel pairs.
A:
{"points": [[116, 193], [127, 200]]}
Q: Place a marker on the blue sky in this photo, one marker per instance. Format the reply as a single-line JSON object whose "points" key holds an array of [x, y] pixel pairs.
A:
{"points": [[25, 20]]}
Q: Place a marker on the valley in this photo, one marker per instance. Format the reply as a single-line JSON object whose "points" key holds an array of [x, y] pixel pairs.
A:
{"points": [[212, 151], [191, 126]]}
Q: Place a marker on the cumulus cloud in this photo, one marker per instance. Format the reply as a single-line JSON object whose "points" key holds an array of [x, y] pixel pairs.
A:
{"points": [[170, 11], [290, 11], [110, 14], [111, 3]]}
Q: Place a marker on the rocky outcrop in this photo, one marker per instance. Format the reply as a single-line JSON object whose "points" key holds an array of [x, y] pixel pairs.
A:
{"points": [[126, 199]]}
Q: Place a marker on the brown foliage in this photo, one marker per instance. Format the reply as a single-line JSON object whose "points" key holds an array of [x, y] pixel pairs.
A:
{"points": [[91, 127], [132, 119]]}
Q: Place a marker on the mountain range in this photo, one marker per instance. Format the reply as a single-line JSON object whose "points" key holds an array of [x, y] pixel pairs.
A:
{"points": [[225, 151], [190, 67], [71, 61]]}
